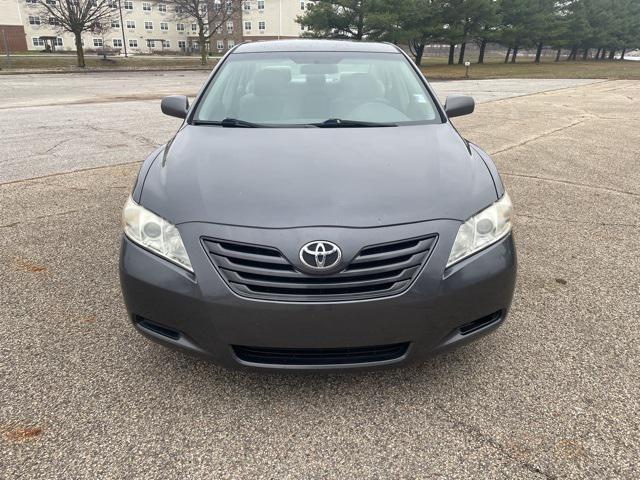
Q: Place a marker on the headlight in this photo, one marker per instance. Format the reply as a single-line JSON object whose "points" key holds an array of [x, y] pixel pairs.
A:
{"points": [[154, 233], [481, 230]]}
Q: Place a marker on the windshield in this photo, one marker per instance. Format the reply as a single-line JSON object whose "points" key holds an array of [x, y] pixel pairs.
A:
{"points": [[327, 88]]}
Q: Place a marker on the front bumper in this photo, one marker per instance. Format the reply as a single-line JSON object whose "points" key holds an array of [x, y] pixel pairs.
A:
{"points": [[201, 314]]}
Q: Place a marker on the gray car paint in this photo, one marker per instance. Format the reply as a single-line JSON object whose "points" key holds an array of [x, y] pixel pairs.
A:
{"points": [[292, 177]]}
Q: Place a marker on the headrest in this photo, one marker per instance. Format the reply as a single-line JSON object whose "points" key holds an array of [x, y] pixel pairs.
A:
{"points": [[362, 85], [272, 81], [319, 69], [316, 81]]}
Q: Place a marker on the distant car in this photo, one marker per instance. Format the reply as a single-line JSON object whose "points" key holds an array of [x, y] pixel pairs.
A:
{"points": [[317, 210]]}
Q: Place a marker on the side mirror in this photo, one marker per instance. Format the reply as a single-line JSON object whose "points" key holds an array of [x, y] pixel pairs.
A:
{"points": [[175, 106], [459, 105]]}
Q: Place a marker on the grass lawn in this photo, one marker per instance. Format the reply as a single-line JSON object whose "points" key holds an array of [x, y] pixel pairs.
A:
{"points": [[94, 62], [434, 67]]}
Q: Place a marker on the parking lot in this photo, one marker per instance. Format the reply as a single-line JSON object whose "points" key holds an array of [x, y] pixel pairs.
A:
{"points": [[554, 393]]}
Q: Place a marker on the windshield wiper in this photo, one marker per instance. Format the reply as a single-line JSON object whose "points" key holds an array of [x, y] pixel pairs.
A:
{"points": [[339, 123], [229, 123]]}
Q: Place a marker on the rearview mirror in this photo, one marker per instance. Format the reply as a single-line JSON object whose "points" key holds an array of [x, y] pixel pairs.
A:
{"points": [[175, 106], [459, 105]]}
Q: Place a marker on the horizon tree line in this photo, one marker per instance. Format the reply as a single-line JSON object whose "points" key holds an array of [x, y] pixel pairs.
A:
{"points": [[579, 26]]}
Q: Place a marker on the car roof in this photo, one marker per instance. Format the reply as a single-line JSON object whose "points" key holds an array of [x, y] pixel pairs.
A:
{"points": [[305, 45]]}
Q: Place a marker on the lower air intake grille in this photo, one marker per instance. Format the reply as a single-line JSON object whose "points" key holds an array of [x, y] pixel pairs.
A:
{"points": [[263, 272], [320, 356]]}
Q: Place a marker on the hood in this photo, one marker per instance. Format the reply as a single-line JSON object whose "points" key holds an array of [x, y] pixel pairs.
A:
{"points": [[300, 177]]}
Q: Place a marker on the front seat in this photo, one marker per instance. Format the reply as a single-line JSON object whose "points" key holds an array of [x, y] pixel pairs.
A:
{"points": [[358, 89], [267, 102], [315, 104]]}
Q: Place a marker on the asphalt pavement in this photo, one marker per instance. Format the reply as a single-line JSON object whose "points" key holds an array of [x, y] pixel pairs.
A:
{"points": [[554, 393]]}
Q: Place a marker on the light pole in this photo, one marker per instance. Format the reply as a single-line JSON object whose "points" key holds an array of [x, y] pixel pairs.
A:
{"points": [[124, 40], [280, 20]]}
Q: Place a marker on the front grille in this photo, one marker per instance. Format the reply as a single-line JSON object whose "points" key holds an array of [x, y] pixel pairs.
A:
{"points": [[320, 356], [263, 272]]}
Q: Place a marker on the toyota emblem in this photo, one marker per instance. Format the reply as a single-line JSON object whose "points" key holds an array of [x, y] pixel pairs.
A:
{"points": [[320, 255]]}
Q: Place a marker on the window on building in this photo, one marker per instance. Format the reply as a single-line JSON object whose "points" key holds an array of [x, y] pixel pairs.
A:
{"points": [[301, 5], [97, 42], [194, 27], [37, 42], [115, 23], [162, 8], [164, 26], [34, 20], [50, 2], [180, 27], [262, 25], [146, 7], [117, 42], [58, 42], [260, 4], [131, 24], [246, 5], [247, 25], [151, 43], [230, 26], [220, 45], [182, 44], [166, 44], [230, 44], [31, 1], [148, 25], [133, 43], [54, 21], [128, 5]]}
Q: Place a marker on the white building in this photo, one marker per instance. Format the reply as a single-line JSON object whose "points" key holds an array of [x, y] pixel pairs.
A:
{"points": [[272, 19], [150, 26]]}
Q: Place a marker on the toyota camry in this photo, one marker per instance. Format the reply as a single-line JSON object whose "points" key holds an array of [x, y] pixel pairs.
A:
{"points": [[317, 209]]}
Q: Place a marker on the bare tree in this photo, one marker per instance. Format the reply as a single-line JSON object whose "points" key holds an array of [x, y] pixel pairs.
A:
{"points": [[210, 16], [77, 16]]}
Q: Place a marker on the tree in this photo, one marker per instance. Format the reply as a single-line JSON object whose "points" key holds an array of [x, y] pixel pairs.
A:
{"points": [[209, 15], [576, 27], [466, 20], [488, 33], [350, 19], [544, 25], [78, 16], [527, 23], [419, 21]]}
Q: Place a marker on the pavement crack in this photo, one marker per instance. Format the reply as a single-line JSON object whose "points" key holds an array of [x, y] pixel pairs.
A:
{"points": [[40, 217], [488, 439], [59, 174], [55, 146], [577, 222], [569, 182], [93, 101], [543, 134], [550, 91]]}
